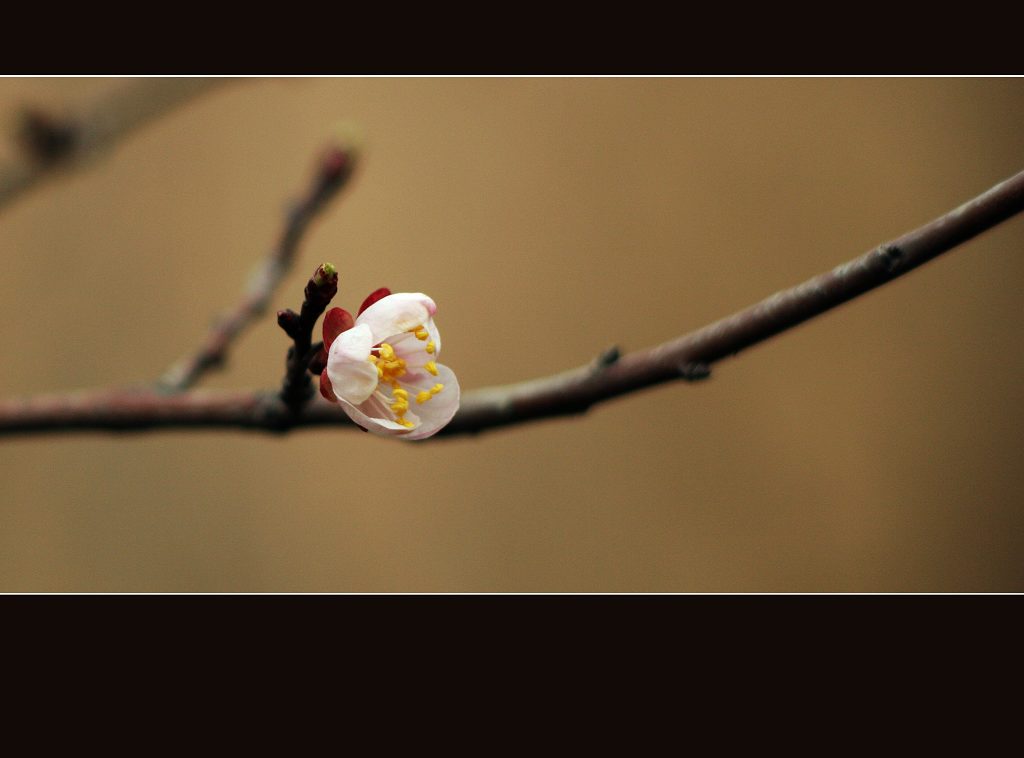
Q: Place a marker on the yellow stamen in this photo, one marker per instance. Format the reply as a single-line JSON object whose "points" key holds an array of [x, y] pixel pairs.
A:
{"points": [[430, 347], [389, 369], [431, 367], [425, 395], [420, 332]]}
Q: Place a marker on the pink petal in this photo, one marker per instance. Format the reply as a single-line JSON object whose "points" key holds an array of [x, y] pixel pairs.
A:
{"points": [[372, 298], [396, 314], [434, 336], [374, 418], [438, 410]]}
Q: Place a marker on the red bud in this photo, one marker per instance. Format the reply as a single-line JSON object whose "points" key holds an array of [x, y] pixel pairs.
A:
{"points": [[336, 321], [325, 388], [288, 320], [373, 297], [319, 362], [336, 164]]}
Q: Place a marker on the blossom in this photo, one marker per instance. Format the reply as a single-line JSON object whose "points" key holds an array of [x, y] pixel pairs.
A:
{"points": [[382, 366]]}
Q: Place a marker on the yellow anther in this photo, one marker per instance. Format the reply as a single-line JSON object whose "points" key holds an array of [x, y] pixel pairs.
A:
{"points": [[424, 396], [389, 368], [436, 388], [430, 347], [431, 367], [420, 332]]}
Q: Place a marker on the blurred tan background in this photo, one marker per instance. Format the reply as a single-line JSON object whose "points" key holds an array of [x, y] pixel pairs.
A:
{"points": [[876, 448]]}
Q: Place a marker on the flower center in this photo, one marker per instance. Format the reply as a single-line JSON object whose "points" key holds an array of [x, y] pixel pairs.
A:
{"points": [[391, 368]]}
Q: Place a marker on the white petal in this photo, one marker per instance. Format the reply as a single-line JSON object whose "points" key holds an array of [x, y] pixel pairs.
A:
{"points": [[439, 409], [435, 336], [411, 350], [396, 314], [352, 376], [375, 417]]}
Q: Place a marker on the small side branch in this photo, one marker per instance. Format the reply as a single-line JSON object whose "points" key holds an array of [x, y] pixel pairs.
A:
{"points": [[320, 289], [686, 358], [53, 143], [332, 173]]}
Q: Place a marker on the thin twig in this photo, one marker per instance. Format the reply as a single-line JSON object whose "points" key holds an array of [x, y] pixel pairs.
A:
{"points": [[320, 289], [332, 173], [54, 143], [574, 391]]}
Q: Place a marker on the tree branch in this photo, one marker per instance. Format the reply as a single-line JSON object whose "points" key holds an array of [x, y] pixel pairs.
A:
{"points": [[320, 289], [333, 171], [687, 357], [53, 144]]}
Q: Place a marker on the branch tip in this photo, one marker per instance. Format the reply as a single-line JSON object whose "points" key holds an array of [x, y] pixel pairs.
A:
{"points": [[322, 287], [331, 175], [297, 388], [608, 357], [288, 320]]}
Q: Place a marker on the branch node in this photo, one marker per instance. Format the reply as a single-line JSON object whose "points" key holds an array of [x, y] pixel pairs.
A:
{"points": [[47, 139], [694, 372], [289, 321], [276, 416], [892, 256], [607, 358]]}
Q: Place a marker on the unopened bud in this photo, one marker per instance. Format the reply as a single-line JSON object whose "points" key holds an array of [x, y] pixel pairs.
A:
{"points": [[325, 272], [318, 362], [322, 286], [340, 158], [46, 137], [288, 320]]}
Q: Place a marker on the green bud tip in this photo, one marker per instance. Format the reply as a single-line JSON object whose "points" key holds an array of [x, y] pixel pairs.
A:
{"points": [[349, 136], [323, 274]]}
